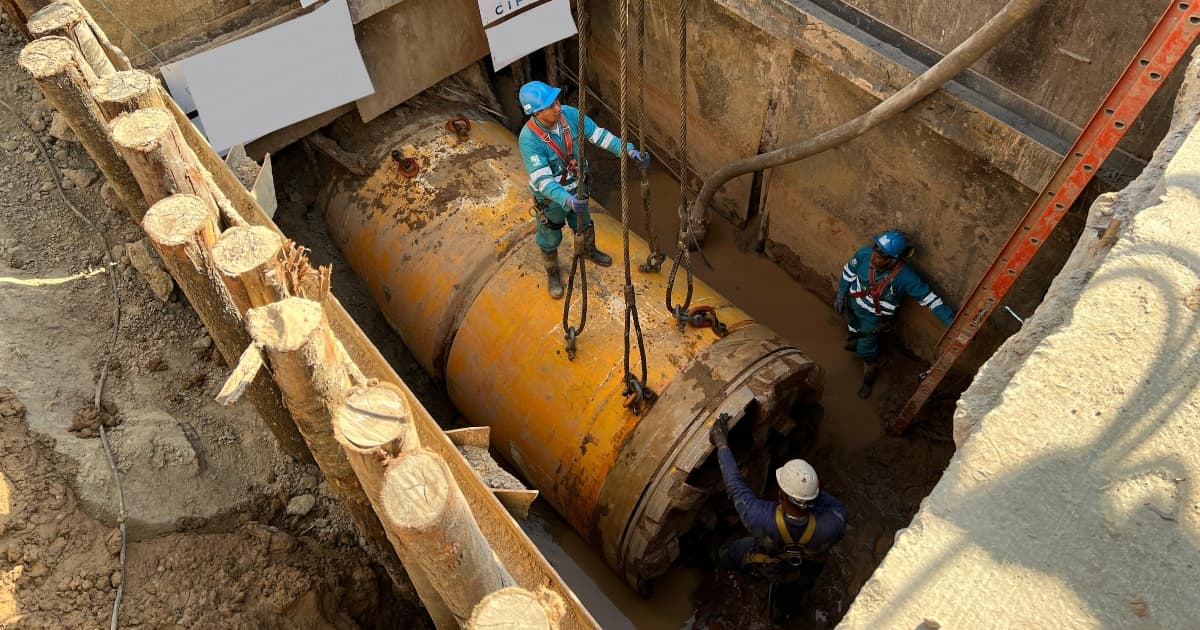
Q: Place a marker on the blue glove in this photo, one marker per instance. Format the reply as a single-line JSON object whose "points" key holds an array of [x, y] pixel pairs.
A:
{"points": [[641, 157], [575, 204], [839, 304]]}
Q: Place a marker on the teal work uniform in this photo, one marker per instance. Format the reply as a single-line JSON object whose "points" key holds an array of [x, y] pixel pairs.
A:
{"points": [[871, 306], [550, 179]]}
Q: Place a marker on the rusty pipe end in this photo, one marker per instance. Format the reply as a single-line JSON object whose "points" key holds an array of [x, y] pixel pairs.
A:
{"points": [[660, 481]]}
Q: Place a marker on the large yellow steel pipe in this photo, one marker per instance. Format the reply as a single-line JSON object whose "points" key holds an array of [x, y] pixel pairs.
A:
{"points": [[448, 253]]}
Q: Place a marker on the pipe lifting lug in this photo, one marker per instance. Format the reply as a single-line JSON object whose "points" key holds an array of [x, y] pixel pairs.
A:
{"points": [[460, 127], [653, 264], [407, 166], [706, 317]]}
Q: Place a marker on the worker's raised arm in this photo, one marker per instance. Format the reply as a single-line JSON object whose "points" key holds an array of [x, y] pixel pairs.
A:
{"points": [[757, 515], [918, 289], [594, 133]]}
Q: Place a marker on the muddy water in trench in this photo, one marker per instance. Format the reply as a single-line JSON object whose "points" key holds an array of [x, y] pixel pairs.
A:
{"points": [[772, 297], [855, 459]]}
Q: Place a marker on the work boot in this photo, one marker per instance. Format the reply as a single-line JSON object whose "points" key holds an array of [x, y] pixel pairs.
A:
{"points": [[870, 373], [554, 282], [589, 244]]}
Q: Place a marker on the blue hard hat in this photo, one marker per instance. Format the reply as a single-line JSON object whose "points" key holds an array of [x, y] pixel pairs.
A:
{"points": [[892, 242], [536, 96]]}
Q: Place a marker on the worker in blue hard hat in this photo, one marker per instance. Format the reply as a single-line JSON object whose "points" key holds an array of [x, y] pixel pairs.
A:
{"points": [[548, 147], [872, 285], [789, 538]]}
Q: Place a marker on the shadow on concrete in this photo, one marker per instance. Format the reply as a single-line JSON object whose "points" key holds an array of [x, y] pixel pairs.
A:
{"points": [[1105, 519]]}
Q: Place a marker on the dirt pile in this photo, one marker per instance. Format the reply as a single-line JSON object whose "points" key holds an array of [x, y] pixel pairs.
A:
{"points": [[60, 568], [224, 531]]}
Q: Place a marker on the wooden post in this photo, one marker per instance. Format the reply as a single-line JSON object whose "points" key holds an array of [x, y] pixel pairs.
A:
{"points": [[65, 19], [308, 364], [126, 92], [373, 424], [183, 231], [119, 59], [159, 157], [56, 66], [421, 500], [515, 608], [245, 256]]}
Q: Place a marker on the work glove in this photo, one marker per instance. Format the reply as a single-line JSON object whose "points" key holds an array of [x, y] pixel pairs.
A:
{"points": [[641, 157], [577, 205], [839, 303], [719, 433]]}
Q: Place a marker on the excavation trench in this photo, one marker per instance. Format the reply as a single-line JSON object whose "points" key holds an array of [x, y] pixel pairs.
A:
{"points": [[480, 332]]}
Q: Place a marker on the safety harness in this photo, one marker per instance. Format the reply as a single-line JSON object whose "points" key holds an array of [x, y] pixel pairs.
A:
{"points": [[561, 152], [795, 551], [875, 289]]}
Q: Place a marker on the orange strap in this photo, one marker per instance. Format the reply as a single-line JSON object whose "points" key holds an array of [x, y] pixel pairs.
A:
{"points": [[875, 289], [561, 152]]}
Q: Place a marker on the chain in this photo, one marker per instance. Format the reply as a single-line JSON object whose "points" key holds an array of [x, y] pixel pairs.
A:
{"points": [[638, 394], [578, 260], [682, 256]]}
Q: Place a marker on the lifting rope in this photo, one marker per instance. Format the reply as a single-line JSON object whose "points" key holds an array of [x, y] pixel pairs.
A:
{"points": [[682, 255], [578, 259], [638, 395], [655, 258]]}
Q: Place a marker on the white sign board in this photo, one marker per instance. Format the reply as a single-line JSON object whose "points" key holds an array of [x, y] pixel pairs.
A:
{"points": [[512, 35], [277, 77]]}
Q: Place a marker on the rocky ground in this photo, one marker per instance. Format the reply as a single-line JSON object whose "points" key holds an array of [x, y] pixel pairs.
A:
{"points": [[223, 530]]}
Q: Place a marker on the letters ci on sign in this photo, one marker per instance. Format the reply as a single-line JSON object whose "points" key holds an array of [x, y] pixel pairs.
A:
{"points": [[492, 10]]}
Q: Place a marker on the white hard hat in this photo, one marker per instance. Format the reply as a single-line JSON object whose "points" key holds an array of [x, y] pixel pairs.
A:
{"points": [[798, 480]]}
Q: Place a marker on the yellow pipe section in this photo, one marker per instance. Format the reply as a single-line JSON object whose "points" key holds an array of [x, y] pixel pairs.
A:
{"points": [[448, 253]]}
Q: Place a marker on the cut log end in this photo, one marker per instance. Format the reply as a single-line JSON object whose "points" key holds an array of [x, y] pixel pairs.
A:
{"points": [[510, 609], [47, 57], [284, 326], [416, 490], [143, 130], [372, 417], [54, 18], [242, 249], [176, 220], [124, 87]]}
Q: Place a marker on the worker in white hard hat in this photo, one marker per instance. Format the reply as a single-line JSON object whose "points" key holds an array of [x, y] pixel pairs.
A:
{"points": [[788, 538]]}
